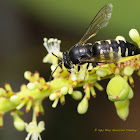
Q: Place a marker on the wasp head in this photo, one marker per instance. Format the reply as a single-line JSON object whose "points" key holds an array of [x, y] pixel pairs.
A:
{"points": [[66, 60]]}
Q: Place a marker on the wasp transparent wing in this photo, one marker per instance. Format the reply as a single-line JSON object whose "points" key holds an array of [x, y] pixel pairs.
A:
{"points": [[102, 58], [101, 20]]}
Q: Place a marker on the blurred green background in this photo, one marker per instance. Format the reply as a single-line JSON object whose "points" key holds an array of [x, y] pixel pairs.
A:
{"points": [[24, 24]]}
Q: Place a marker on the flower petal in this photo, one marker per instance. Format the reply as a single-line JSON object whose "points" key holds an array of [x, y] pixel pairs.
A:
{"points": [[41, 126]]}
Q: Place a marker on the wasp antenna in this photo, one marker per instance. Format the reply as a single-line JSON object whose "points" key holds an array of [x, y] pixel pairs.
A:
{"points": [[54, 71], [57, 56]]}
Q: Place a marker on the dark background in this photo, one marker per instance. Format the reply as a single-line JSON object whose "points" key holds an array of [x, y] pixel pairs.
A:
{"points": [[24, 24]]}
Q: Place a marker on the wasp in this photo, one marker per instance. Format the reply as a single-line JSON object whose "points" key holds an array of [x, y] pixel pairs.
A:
{"points": [[104, 51]]}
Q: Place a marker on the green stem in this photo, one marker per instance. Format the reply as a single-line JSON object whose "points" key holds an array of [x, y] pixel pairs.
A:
{"points": [[34, 117]]}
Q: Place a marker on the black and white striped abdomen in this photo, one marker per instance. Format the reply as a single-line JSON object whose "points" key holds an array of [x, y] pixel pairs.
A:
{"points": [[120, 47]]}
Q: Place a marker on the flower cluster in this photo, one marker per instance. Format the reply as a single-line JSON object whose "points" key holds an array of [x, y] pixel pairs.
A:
{"points": [[65, 82], [118, 89]]}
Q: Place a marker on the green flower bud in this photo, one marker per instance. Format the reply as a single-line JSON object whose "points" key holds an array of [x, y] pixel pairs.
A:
{"points": [[131, 93], [117, 89], [134, 35], [64, 90], [2, 92], [8, 87], [28, 105], [101, 72], [62, 100], [55, 103], [122, 108], [23, 87], [36, 74], [18, 123], [98, 86], [21, 104], [27, 75], [77, 95], [82, 106], [42, 81], [70, 90], [131, 81], [53, 96], [31, 86], [128, 71], [15, 99]]}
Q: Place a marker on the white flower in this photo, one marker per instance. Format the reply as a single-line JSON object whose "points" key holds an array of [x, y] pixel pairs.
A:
{"points": [[90, 67], [83, 73], [34, 130], [52, 46], [74, 72]]}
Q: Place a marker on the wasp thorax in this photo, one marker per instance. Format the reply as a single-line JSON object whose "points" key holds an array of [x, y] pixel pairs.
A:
{"points": [[79, 52]]}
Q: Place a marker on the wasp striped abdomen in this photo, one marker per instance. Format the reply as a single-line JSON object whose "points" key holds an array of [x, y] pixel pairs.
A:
{"points": [[118, 47]]}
